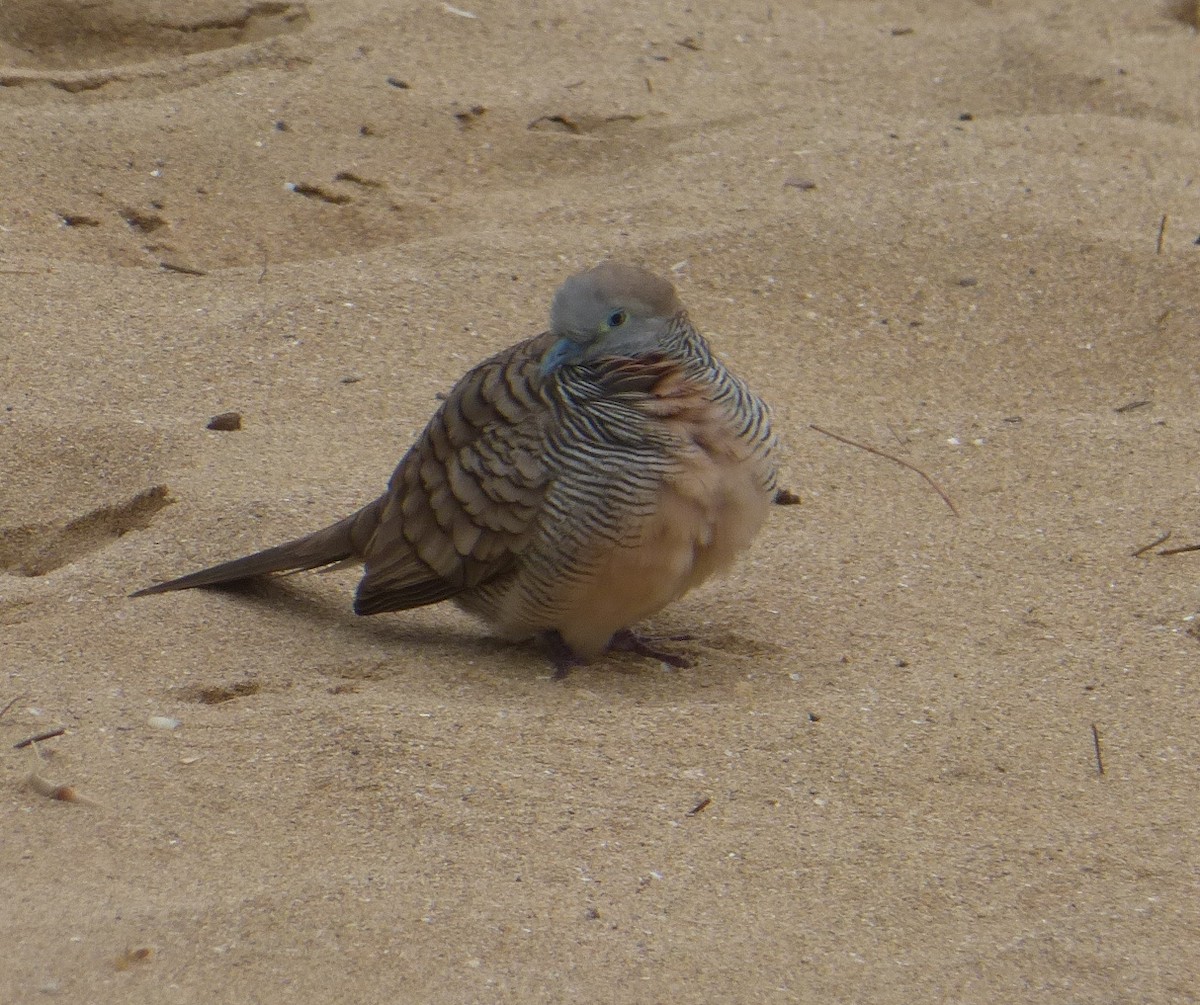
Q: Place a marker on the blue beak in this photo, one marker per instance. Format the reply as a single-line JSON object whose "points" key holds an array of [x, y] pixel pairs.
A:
{"points": [[564, 352]]}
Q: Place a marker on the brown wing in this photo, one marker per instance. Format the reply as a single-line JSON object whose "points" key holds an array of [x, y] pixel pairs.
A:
{"points": [[463, 503]]}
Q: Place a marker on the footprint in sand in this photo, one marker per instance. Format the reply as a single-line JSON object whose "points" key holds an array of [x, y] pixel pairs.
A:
{"points": [[138, 45], [70, 490], [36, 549]]}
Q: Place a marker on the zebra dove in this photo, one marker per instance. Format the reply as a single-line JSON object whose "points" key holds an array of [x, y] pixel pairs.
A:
{"points": [[569, 486]]}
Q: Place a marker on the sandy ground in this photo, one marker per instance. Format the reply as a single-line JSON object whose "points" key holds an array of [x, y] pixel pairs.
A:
{"points": [[923, 756]]}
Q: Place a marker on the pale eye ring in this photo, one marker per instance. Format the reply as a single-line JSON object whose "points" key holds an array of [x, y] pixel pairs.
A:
{"points": [[616, 319]]}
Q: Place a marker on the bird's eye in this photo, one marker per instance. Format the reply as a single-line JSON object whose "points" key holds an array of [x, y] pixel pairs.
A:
{"points": [[616, 319]]}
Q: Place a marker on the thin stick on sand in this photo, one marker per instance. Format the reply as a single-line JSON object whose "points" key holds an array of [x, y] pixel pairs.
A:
{"points": [[1096, 745], [50, 734], [1183, 549], [1153, 544], [896, 460]]}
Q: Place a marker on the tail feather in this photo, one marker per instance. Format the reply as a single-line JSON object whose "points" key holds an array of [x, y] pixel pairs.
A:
{"points": [[336, 543]]}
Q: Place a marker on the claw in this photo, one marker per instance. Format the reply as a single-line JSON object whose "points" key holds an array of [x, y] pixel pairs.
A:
{"points": [[562, 656], [564, 659], [626, 641]]}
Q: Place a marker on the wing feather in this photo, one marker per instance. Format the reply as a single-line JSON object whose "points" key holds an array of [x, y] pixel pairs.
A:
{"points": [[462, 504]]}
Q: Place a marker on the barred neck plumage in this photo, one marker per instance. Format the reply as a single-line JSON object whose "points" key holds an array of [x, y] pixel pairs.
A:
{"points": [[602, 402], [682, 347], [700, 362], [684, 342], [728, 391]]}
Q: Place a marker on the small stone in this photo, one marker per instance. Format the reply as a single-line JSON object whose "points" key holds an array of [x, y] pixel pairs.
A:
{"points": [[226, 422], [163, 722]]}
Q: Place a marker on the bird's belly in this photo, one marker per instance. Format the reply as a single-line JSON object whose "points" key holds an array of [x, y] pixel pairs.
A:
{"points": [[706, 515]]}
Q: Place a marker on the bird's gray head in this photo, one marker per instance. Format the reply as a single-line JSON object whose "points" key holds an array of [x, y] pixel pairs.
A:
{"points": [[611, 310]]}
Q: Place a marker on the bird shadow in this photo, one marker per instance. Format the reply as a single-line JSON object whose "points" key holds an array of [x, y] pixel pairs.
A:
{"points": [[279, 597], [466, 649]]}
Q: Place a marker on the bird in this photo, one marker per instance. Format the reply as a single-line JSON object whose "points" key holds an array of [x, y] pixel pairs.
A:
{"points": [[568, 487]]}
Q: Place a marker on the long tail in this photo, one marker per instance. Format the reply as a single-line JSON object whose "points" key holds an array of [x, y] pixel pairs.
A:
{"points": [[345, 539]]}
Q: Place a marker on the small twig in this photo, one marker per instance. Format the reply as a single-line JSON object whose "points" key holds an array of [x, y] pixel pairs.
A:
{"points": [[1096, 745], [897, 460], [1153, 544], [1162, 233], [700, 807], [10, 704], [1181, 550], [183, 270], [1140, 403], [50, 734]]}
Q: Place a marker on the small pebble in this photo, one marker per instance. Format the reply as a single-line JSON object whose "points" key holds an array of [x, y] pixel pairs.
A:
{"points": [[163, 722], [226, 422]]}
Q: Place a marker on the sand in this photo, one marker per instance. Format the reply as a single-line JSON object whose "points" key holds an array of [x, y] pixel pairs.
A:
{"points": [[925, 755]]}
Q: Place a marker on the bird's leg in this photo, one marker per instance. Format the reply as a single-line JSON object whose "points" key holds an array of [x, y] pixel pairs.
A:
{"points": [[561, 655], [626, 641]]}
